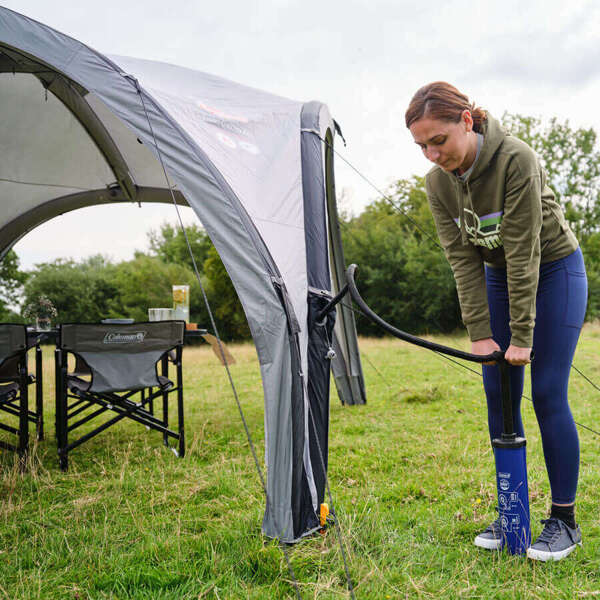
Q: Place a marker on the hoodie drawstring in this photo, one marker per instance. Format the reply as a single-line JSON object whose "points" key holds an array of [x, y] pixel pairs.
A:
{"points": [[461, 216], [461, 212], [472, 209]]}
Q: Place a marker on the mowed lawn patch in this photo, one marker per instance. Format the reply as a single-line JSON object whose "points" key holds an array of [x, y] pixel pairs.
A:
{"points": [[411, 474]]}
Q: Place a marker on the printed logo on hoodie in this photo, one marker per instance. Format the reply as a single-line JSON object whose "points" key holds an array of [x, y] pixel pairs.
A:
{"points": [[487, 227]]}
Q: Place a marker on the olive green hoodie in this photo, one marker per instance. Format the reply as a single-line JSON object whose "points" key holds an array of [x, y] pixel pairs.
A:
{"points": [[504, 215]]}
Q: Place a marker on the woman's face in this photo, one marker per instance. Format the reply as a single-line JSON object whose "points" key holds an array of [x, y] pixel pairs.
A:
{"points": [[448, 145]]}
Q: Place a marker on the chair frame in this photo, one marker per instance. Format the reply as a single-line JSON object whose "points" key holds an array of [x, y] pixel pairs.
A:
{"points": [[70, 405], [19, 405]]}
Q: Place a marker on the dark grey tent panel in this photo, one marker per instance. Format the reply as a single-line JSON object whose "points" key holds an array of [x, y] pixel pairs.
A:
{"points": [[319, 293], [322, 228], [315, 206], [348, 371], [340, 370]]}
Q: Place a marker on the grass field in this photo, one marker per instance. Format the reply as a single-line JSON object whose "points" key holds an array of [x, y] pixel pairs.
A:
{"points": [[411, 474]]}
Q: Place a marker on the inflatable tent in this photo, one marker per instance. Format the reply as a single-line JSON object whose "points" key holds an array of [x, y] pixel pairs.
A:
{"points": [[78, 129]]}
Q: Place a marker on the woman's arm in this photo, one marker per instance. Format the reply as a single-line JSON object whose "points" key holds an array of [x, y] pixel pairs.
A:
{"points": [[520, 231], [467, 266]]}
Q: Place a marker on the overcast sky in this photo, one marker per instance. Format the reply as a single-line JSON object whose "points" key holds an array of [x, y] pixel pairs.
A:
{"points": [[364, 59]]}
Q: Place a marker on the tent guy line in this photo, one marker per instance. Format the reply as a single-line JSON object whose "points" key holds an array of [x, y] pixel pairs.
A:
{"points": [[219, 343], [466, 367], [417, 226], [232, 384], [382, 194], [336, 520]]}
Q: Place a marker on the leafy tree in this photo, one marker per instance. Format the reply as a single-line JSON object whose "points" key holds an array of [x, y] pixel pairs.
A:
{"points": [[95, 288], [572, 160], [403, 275], [11, 283], [79, 291], [409, 198], [170, 246], [429, 286], [146, 281], [591, 253], [228, 311]]}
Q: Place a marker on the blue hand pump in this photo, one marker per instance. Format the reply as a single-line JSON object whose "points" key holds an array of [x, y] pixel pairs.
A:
{"points": [[509, 450], [511, 475]]}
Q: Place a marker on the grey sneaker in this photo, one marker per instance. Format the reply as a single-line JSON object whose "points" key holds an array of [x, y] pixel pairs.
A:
{"points": [[491, 538], [556, 541]]}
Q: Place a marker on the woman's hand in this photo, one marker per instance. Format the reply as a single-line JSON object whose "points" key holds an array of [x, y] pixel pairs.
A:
{"points": [[518, 356], [483, 347]]}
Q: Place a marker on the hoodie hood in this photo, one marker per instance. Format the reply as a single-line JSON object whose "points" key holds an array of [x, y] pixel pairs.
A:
{"points": [[493, 136]]}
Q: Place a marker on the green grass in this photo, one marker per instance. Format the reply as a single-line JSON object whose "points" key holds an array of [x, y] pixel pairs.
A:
{"points": [[411, 475]]}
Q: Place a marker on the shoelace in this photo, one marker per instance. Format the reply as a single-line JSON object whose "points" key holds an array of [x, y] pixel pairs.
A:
{"points": [[494, 527], [550, 532]]}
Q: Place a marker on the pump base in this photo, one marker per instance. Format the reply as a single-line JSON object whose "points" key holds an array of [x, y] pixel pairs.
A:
{"points": [[513, 493]]}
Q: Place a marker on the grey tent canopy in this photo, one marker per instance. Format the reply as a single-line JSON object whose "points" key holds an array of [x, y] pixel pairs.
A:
{"points": [[79, 128]]}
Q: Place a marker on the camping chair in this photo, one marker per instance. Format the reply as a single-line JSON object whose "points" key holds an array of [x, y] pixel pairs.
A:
{"points": [[115, 364], [14, 386]]}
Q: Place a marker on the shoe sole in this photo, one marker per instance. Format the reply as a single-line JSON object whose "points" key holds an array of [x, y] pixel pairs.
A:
{"points": [[545, 556], [487, 543]]}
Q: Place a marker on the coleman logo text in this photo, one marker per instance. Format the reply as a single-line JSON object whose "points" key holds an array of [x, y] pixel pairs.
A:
{"points": [[113, 337]]}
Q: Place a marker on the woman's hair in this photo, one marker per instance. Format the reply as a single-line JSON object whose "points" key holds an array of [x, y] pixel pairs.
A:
{"points": [[440, 100]]}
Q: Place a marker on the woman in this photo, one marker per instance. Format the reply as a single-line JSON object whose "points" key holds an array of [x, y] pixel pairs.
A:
{"points": [[520, 278]]}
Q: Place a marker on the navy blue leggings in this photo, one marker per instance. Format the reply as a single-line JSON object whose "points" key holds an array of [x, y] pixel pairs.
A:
{"points": [[560, 309]]}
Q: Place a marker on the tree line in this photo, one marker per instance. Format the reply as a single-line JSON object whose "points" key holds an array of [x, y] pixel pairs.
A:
{"points": [[96, 288], [403, 274]]}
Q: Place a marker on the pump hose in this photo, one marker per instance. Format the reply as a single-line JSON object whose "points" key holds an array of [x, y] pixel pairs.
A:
{"points": [[407, 337]]}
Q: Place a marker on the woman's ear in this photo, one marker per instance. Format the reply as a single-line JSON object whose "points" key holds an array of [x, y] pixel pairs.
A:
{"points": [[467, 119]]}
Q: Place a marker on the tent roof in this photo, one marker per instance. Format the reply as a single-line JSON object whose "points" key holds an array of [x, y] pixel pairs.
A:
{"points": [[63, 148]]}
